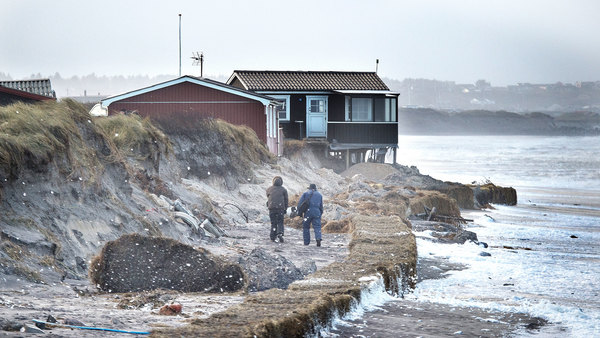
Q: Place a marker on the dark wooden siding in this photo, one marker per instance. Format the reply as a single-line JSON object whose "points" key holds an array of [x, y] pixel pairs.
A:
{"points": [[337, 109], [345, 132], [363, 133], [292, 128], [187, 101]]}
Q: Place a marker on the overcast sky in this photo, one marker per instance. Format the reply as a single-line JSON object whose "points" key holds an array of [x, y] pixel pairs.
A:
{"points": [[504, 42]]}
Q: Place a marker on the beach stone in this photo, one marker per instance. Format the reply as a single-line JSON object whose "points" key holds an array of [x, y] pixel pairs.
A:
{"points": [[138, 263], [10, 325], [485, 254], [31, 329], [267, 271], [464, 235]]}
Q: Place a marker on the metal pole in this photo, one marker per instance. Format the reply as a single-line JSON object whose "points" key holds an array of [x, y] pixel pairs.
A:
{"points": [[180, 45]]}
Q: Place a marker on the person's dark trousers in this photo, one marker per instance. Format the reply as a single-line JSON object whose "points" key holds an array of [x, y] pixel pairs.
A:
{"points": [[316, 223], [276, 223]]}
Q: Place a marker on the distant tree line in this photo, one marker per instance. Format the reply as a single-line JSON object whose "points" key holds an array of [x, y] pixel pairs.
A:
{"points": [[552, 99]]}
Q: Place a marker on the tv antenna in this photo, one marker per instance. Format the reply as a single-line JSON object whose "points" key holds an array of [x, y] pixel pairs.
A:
{"points": [[198, 60]]}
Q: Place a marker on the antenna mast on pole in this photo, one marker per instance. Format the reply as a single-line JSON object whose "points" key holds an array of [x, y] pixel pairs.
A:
{"points": [[180, 44], [376, 65], [198, 60]]}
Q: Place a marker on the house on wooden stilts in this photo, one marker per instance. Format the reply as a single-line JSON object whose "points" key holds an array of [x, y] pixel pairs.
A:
{"points": [[354, 113]]}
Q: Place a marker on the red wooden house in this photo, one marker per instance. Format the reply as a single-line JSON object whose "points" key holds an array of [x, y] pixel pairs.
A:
{"points": [[189, 97]]}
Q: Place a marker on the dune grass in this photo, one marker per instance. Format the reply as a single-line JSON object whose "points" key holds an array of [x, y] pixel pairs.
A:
{"points": [[133, 135], [244, 137], [33, 134]]}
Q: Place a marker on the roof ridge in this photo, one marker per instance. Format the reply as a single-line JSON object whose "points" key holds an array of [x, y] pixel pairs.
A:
{"points": [[305, 71], [278, 80]]}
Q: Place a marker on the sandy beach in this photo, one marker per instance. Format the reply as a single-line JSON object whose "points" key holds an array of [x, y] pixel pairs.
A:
{"points": [[21, 302]]}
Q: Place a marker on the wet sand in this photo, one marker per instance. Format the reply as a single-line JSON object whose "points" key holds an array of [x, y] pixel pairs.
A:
{"points": [[407, 317]]}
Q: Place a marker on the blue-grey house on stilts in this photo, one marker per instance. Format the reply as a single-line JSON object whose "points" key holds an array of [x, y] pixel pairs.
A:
{"points": [[353, 113]]}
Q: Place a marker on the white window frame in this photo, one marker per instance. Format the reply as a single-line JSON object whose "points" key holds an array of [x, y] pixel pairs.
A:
{"points": [[285, 98]]}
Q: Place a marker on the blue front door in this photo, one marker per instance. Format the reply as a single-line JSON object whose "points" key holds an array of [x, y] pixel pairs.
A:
{"points": [[316, 116]]}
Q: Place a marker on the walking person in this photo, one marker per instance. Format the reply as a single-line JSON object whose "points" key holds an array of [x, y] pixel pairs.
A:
{"points": [[313, 214], [277, 202]]}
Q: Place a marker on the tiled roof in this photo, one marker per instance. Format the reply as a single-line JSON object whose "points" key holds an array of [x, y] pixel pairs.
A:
{"points": [[39, 87], [303, 80]]}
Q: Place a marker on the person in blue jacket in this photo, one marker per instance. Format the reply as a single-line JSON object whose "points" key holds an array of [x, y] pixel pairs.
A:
{"points": [[313, 214]]}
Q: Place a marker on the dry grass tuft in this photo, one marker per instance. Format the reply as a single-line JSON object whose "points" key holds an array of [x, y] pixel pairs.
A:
{"points": [[134, 136], [342, 226], [33, 135], [291, 147], [13, 250], [252, 148], [35, 132]]}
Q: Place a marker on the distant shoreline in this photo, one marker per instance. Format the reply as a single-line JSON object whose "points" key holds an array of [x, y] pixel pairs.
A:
{"points": [[423, 121], [583, 134]]}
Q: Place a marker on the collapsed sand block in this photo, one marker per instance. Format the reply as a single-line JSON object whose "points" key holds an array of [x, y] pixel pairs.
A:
{"points": [[461, 193], [343, 226], [137, 263], [444, 204], [491, 193]]}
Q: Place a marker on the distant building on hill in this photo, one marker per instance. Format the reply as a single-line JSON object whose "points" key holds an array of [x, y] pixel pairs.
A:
{"points": [[28, 91]]}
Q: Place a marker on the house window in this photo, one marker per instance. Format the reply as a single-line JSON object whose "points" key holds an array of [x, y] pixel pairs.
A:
{"points": [[317, 106], [283, 107], [385, 109], [362, 109]]}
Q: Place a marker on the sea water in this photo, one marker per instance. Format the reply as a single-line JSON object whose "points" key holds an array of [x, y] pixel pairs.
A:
{"points": [[545, 251]]}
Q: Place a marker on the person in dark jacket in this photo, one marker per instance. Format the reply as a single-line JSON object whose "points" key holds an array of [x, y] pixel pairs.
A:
{"points": [[313, 214], [277, 202]]}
